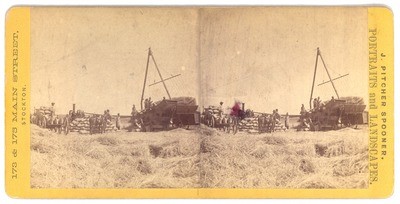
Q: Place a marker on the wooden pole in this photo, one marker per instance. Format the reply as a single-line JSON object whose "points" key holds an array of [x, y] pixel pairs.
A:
{"points": [[164, 79], [145, 78], [330, 79], [315, 72], [152, 57], [333, 79]]}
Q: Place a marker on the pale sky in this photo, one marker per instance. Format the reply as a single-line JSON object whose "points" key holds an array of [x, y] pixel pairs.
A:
{"points": [[96, 57], [265, 57]]}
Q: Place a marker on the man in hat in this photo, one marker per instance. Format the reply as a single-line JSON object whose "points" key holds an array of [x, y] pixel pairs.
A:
{"points": [[303, 111], [134, 113], [52, 109], [287, 121], [150, 103], [118, 122], [108, 116], [277, 116], [220, 109], [146, 104], [315, 104], [319, 102]]}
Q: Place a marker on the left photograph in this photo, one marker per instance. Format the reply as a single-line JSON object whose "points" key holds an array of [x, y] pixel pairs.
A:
{"points": [[115, 98]]}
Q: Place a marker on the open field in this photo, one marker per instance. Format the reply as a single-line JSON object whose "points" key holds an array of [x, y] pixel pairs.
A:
{"points": [[200, 157]]}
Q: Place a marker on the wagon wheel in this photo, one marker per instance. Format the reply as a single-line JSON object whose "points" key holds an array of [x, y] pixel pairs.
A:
{"points": [[44, 123], [212, 122]]}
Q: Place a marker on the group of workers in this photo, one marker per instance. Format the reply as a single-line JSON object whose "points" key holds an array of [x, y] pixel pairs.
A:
{"points": [[305, 116], [317, 103], [148, 103], [134, 114], [277, 118]]}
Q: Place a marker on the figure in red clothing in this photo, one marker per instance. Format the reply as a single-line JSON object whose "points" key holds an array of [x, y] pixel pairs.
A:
{"points": [[235, 111]]}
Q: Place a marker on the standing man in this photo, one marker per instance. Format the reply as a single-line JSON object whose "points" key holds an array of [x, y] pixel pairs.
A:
{"points": [[134, 112], [315, 104], [273, 120], [302, 111], [134, 115], [220, 108], [118, 122], [146, 104], [277, 116], [107, 116], [287, 121], [52, 109], [150, 103], [318, 102]]}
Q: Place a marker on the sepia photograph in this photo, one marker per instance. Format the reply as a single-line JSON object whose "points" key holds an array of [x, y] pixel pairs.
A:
{"points": [[199, 97]]}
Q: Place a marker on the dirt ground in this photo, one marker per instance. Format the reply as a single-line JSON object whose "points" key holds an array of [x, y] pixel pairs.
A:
{"points": [[200, 157]]}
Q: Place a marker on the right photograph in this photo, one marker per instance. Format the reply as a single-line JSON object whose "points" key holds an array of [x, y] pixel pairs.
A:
{"points": [[284, 95]]}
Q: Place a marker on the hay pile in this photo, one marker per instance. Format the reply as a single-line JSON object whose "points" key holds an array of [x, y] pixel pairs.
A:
{"points": [[189, 101], [353, 100], [200, 158], [115, 159], [333, 159], [82, 126]]}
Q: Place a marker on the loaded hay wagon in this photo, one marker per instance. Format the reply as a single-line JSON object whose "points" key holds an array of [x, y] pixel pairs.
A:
{"points": [[215, 118], [44, 117]]}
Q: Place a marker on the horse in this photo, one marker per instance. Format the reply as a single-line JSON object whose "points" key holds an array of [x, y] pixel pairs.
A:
{"points": [[102, 124], [93, 124], [97, 124], [230, 122], [266, 123]]}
